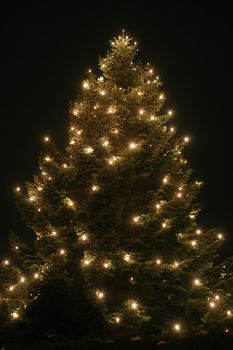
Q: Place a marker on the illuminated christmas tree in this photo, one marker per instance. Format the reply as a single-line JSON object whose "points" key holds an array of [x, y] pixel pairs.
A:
{"points": [[118, 245]]}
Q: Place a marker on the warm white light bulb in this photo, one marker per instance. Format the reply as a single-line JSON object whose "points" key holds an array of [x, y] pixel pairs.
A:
{"points": [[106, 265], [197, 282], [64, 165], [165, 179], [84, 237], [6, 262], [132, 145], [117, 319], [229, 313], [186, 139], [193, 243], [11, 288], [134, 305], [22, 279], [85, 85], [136, 219], [220, 236], [170, 112], [198, 231], [15, 315], [62, 252], [158, 261], [18, 189], [88, 150], [177, 327], [72, 142], [102, 92], [141, 111], [87, 262], [36, 275], [217, 297], [161, 96], [212, 304], [47, 159], [164, 225], [127, 257], [46, 139]]}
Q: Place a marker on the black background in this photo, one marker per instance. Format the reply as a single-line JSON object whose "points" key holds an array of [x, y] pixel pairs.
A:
{"points": [[46, 50]]}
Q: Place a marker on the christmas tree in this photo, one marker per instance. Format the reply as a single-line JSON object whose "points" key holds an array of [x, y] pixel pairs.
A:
{"points": [[115, 216]]}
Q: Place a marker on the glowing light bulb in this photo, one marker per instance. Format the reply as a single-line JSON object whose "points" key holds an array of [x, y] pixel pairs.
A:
{"points": [[136, 219], [197, 282], [164, 225], [36, 275], [16, 247], [229, 313], [172, 129], [111, 110], [170, 112], [15, 315], [161, 96], [47, 159], [88, 150], [95, 188], [105, 143], [186, 139], [158, 206], [65, 166], [62, 252], [39, 188], [69, 202], [54, 233], [165, 180], [32, 198], [72, 142], [87, 262], [141, 111], [151, 71], [6, 262], [132, 145], [84, 237], [46, 139], [18, 189], [134, 305], [192, 216], [86, 85], [179, 195], [102, 92], [140, 93], [176, 264], [177, 327], [22, 279], [100, 294], [158, 261], [220, 236], [115, 131], [198, 231], [126, 257], [11, 288], [39, 209], [193, 243], [212, 304], [117, 319], [217, 297], [106, 265]]}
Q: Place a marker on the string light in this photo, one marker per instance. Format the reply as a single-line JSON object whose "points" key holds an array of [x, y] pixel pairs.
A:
{"points": [[179, 194], [95, 188], [176, 264], [161, 96], [69, 202], [115, 131], [6, 262], [229, 313], [11, 288], [132, 145], [198, 231], [54, 233], [170, 112], [18, 189], [165, 179], [158, 261], [62, 252], [32, 199], [84, 237], [86, 85], [126, 257], [16, 247], [172, 129], [164, 225], [88, 150], [197, 282], [72, 142], [136, 219], [141, 111], [22, 279], [193, 243], [186, 139], [212, 304], [106, 265], [47, 159], [158, 206], [105, 143], [217, 297], [112, 160], [46, 139], [100, 294], [134, 305], [87, 262], [65, 166], [102, 92], [177, 327], [15, 315], [220, 236], [117, 319], [39, 188]]}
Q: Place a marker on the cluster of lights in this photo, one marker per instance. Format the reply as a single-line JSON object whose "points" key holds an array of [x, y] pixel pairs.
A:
{"points": [[69, 202], [134, 305], [112, 160], [86, 85], [127, 257]]}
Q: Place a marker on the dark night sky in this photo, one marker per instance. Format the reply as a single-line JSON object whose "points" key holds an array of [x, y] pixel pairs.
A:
{"points": [[45, 52]]}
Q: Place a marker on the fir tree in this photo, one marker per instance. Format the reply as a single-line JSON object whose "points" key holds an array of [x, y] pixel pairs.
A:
{"points": [[115, 216]]}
